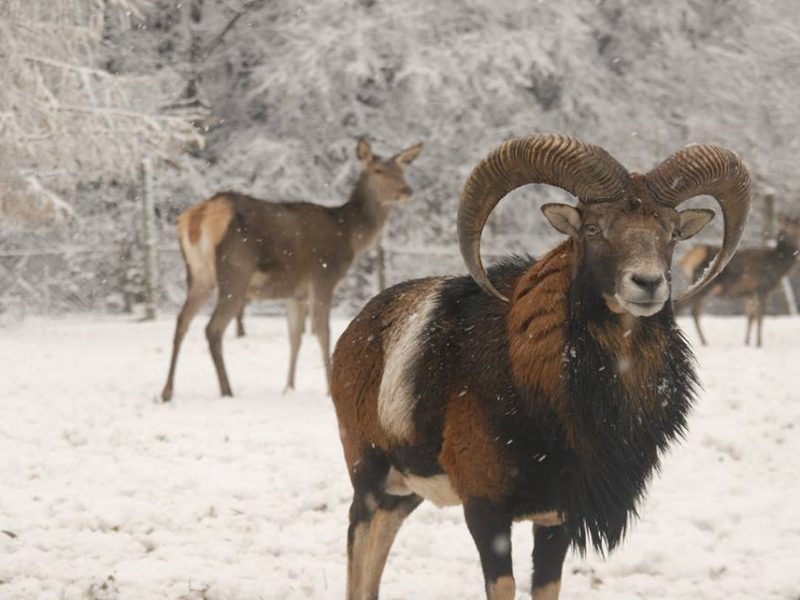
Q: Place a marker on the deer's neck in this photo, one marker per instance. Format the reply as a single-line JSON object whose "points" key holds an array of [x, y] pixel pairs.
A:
{"points": [[362, 218]]}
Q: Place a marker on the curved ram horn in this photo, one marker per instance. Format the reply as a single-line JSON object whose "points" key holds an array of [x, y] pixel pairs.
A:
{"points": [[584, 170], [706, 169]]}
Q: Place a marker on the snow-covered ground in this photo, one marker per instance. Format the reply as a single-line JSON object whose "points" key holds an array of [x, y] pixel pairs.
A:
{"points": [[105, 494]]}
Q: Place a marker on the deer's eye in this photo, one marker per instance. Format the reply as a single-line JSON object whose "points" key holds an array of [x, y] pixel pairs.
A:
{"points": [[676, 234], [592, 230]]}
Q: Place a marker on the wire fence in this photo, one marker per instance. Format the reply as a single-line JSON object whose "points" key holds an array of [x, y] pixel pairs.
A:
{"points": [[111, 279]]}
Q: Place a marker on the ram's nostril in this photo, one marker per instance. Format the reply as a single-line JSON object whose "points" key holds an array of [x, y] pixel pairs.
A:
{"points": [[648, 283]]}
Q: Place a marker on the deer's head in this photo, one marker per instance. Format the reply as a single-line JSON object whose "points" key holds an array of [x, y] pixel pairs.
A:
{"points": [[383, 180], [789, 229]]}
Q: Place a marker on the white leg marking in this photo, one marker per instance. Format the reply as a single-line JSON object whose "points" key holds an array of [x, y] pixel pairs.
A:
{"points": [[545, 519], [382, 530], [547, 592], [356, 561], [503, 588]]}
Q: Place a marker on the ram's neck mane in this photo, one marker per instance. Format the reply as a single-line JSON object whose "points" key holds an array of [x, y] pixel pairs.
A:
{"points": [[621, 388], [535, 323]]}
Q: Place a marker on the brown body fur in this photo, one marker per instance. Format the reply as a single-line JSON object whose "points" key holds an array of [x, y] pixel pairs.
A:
{"points": [[536, 338], [469, 455], [536, 325]]}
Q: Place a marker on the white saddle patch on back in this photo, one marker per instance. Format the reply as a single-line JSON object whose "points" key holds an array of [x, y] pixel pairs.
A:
{"points": [[402, 349]]}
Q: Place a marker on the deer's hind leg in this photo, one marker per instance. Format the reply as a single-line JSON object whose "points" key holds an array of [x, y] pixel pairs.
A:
{"points": [[240, 332], [321, 300], [697, 310], [296, 313], [232, 296], [761, 308], [751, 310], [198, 292]]}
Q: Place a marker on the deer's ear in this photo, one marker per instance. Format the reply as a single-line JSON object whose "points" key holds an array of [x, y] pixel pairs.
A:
{"points": [[563, 218], [692, 221], [407, 156], [364, 152]]}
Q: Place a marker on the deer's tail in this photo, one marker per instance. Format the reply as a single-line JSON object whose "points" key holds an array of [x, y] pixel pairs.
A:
{"points": [[697, 260], [200, 230], [693, 264]]}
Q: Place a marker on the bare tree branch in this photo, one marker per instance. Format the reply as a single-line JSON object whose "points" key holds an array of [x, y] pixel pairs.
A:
{"points": [[221, 35]]}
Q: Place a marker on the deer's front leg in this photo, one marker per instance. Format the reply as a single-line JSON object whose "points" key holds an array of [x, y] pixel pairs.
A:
{"points": [[491, 529], [550, 546]]}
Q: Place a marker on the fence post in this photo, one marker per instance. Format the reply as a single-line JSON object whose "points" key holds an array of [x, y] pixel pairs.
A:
{"points": [[148, 239], [768, 222], [788, 292], [380, 266]]}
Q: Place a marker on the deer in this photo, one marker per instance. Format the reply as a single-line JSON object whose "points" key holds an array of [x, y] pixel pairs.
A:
{"points": [[297, 251], [753, 274]]}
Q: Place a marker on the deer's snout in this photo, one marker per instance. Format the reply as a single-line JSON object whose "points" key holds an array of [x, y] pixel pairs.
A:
{"points": [[404, 194]]}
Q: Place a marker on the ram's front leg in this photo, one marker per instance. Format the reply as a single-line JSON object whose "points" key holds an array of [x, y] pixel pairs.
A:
{"points": [[550, 546], [491, 529]]}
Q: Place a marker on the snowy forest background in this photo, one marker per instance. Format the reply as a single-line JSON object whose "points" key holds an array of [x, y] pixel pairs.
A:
{"points": [[268, 97]]}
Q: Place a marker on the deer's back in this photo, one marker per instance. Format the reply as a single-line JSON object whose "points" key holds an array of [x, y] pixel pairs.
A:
{"points": [[290, 239], [751, 270]]}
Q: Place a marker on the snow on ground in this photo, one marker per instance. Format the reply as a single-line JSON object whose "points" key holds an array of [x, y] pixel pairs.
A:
{"points": [[106, 494]]}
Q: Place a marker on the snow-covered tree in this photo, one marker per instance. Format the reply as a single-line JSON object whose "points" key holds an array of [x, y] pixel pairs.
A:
{"points": [[67, 118]]}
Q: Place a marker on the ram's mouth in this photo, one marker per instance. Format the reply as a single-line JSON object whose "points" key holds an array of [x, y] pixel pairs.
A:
{"points": [[639, 309]]}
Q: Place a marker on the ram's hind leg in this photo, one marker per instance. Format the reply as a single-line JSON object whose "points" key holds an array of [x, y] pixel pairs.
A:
{"points": [[383, 528], [550, 546], [375, 519]]}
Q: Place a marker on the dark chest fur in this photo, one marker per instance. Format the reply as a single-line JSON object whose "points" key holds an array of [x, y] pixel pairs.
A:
{"points": [[595, 483]]}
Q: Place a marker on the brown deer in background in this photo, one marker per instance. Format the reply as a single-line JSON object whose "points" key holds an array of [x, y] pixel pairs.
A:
{"points": [[753, 273], [248, 248]]}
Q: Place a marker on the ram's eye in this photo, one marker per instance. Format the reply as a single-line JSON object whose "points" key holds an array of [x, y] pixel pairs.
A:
{"points": [[676, 234], [592, 230]]}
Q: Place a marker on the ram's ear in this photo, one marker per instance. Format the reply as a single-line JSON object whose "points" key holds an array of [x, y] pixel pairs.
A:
{"points": [[692, 221], [563, 218]]}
